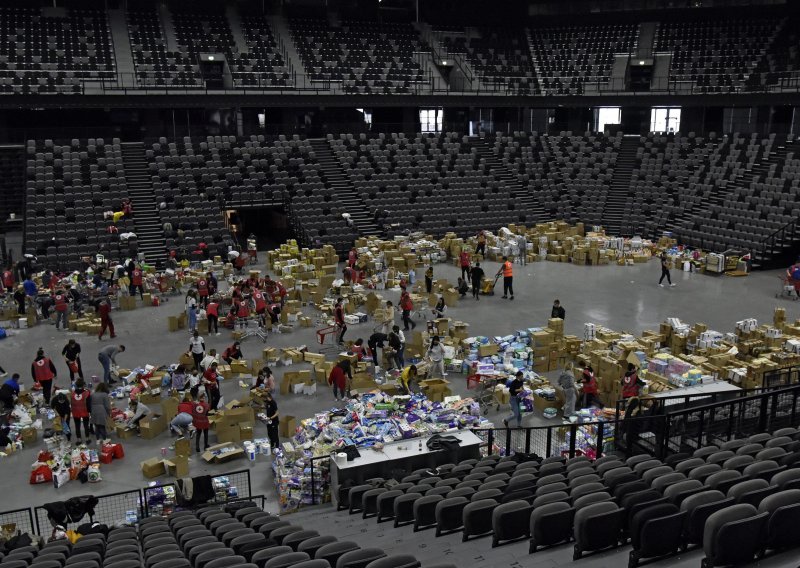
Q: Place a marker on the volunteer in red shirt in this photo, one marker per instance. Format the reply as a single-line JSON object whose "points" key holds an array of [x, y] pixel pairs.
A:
{"points": [[338, 379], [242, 313], [80, 403], [352, 257], [407, 306], [465, 263], [8, 280], [137, 282], [283, 293], [60, 302], [260, 302], [211, 383], [338, 318], [232, 352], [202, 290], [44, 372], [200, 410], [212, 314], [590, 395], [507, 270], [104, 309], [630, 382]]}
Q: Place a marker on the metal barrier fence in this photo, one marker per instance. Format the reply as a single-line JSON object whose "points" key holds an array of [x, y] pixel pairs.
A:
{"points": [[110, 509], [161, 499], [22, 519], [123, 506]]}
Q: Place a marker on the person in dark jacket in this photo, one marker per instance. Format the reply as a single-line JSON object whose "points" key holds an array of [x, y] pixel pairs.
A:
{"points": [[60, 403], [558, 310], [376, 341], [271, 410], [477, 275], [72, 356], [514, 390]]}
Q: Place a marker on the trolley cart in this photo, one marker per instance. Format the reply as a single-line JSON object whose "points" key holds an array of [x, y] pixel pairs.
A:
{"points": [[487, 286], [487, 394], [327, 336], [788, 288]]}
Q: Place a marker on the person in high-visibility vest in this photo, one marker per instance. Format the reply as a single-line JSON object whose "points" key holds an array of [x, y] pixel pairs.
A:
{"points": [[507, 270], [60, 301]]}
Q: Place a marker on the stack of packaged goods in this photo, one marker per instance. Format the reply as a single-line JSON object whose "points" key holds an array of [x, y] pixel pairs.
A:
{"points": [[371, 420], [161, 500]]}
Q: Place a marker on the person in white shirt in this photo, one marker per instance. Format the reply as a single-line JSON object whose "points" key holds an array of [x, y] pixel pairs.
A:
{"points": [[212, 357], [436, 355], [388, 321], [197, 348]]}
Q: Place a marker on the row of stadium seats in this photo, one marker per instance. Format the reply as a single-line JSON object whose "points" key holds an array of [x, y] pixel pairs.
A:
{"points": [[59, 51], [736, 500]]}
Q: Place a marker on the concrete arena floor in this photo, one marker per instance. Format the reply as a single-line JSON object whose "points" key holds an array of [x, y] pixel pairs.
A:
{"points": [[622, 298]]}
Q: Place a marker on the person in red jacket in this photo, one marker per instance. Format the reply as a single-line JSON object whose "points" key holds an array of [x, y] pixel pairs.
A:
{"points": [[8, 280], [242, 313], [80, 403], [338, 319], [590, 388], [202, 290], [211, 384], [104, 309], [200, 410], [630, 382], [407, 306], [137, 282], [44, 373], [464, 261], [60, 300], [212, 314], [260, 302], [339, 377]]}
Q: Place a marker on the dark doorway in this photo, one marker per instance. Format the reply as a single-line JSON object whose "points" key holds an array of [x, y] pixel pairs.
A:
{"points": [[270, 226]]}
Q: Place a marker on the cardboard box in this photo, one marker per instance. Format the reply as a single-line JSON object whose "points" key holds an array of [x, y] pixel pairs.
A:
{"points": [[286, 426], [487, 350], [152, 468], [173, 323], [169, 407], [222, 453], [123, 433], [153, 425], [177, 466], [183, 447], [149, 398], [227, 433], [240, 366], [29, 435]]}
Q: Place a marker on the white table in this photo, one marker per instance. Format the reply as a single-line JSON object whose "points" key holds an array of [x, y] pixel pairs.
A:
{"points": [[403, 454]]}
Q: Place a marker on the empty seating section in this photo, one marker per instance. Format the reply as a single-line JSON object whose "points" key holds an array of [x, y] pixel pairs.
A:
{"points": [[366, 57], [434, 182], [661, 508], [781, 62], [52, 51], [568, 57], [263, 65], [68, 190], [499, 57], [155, 65], [198, 31], [671, 180], [568, 175], [203, 176], [715, 56]]}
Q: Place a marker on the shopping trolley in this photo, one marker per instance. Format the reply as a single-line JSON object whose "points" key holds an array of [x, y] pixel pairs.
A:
{"points": [[789, 288], [327, 336], [486, 385]]}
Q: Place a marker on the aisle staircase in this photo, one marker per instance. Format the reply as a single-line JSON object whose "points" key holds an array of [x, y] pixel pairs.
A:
{"points": [[336, 178], [619, 195], [526, 203], [149, 229]]}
